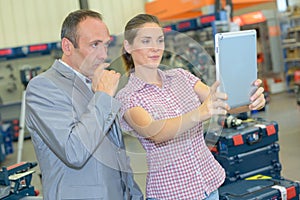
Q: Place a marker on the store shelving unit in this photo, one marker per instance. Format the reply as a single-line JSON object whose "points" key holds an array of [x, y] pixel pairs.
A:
{"points": [[291, 47], [28, 51], [190, 44], [264, 62]]}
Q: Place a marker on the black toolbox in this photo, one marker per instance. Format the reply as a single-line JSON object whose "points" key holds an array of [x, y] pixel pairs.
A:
{"points": [[246, 137], [269, 189], [264, 160], [273, 171]]}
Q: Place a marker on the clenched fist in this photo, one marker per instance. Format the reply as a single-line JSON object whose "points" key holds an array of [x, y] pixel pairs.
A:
{"points": [[105, 81]]}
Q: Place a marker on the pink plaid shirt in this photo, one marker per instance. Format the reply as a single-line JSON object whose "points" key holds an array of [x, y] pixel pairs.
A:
{"points": [[183, 167]]}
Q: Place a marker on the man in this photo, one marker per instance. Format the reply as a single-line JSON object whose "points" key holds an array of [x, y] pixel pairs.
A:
{"points": [[72, 117]]}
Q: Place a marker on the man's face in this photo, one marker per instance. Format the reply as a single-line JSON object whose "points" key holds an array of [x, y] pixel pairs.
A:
{"points": [[93, 39]]}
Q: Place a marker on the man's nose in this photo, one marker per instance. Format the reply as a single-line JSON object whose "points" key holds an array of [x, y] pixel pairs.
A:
{"points": [[102, 52]]}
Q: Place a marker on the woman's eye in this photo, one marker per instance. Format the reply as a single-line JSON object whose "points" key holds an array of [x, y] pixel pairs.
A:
{"points": [[161, 40], [145, 41]]}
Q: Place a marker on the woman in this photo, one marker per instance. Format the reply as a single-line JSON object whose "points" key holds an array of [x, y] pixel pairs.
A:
{"points": [[165, 109]]}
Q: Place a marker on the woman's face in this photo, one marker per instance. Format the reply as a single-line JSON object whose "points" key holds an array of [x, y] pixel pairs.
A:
{"points": [[148, 46]]}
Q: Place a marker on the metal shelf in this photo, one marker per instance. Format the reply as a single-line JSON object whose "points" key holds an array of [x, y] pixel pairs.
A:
{"points": [[294, 29], [295, 17], [292, 60], [291, 45], [17, 103], [30, 50]]}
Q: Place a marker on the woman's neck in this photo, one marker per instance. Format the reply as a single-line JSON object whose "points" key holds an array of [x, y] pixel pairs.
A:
{"points": [[150, 76]]}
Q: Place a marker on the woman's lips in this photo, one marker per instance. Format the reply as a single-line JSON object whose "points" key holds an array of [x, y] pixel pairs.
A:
{"points": [[154, 57]]}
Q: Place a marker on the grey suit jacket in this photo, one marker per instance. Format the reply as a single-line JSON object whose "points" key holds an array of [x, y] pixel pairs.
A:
{"points": [[77, 142]]}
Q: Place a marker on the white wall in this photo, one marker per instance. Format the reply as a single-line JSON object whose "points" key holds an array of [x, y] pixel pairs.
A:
{"points": [[117, 12], [294, 2], [24, 22]]}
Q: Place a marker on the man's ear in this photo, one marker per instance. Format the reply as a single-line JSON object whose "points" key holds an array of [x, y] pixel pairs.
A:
{"points": [[66, 46], [127, 46]]}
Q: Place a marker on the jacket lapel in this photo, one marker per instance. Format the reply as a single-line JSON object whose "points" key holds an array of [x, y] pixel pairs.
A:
{"points": [[77, 82]]}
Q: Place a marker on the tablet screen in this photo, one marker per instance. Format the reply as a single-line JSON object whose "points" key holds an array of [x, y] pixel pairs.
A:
{"points": [[236, 65]]}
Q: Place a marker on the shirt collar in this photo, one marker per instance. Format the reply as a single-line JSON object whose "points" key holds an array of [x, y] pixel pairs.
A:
{"points": [[137, 84], [86, 80]]}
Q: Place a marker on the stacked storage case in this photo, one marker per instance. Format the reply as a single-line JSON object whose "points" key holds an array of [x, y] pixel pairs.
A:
{"points": [[270, 189], [2, 148], [6, 145], [246, 151]]}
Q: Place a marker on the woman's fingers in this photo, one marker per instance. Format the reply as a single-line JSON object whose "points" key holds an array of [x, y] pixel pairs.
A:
{"points": [[214, 87]]}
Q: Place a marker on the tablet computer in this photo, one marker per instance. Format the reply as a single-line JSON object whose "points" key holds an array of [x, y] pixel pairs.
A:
{"points": [[236, 65]]}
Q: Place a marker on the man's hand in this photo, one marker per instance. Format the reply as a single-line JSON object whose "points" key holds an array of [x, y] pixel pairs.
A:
{"points": [[105, 81]]}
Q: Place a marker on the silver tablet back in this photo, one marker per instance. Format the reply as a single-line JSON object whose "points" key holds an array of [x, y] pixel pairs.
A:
{"points": [[236, 65]]}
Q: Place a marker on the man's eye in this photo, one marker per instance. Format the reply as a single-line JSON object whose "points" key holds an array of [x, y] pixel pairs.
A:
{"points": [[100, 44], [96, 44]]}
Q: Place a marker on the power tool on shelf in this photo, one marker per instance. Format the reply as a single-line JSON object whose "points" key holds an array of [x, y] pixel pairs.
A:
{"points": [[15, 181]]}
